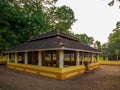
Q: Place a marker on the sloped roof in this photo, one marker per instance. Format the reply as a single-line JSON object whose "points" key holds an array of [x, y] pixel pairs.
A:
{"points": [[54, 39], [53, 33]]}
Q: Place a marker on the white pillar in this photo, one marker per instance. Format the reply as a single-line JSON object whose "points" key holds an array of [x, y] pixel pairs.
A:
{"points": [[91, 57], [88, 58], [16, 60], [97, 57], [77, 58], [8, 57], [39, 58], [26, 58], [61, 57], [82, 58]]}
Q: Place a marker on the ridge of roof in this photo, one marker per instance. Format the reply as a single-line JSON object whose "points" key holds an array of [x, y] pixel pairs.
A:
{"points": [[53, 33]]}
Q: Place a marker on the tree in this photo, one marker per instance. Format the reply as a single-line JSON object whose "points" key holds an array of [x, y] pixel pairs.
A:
{"points": [[85, 39], [7, 15], [114, 40], [23, 19], [104, 47], [97, 45], [56, 17], [112, 2], [62, 18], [16, 27]]}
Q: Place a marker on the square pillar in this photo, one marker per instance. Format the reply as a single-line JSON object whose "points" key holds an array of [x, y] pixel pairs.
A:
{"points": [[8, 57], [16, 59], [39, 58], [88, 56], [97, 57], [82, 58], [77, 58], [92, 57], [61, 58], [26, 58]]}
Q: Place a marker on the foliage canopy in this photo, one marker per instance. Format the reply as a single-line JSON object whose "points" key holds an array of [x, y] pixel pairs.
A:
{"points": [[23, 19]]}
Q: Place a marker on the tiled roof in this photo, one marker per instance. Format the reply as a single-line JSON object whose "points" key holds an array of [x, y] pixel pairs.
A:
{"points": [[53, 33], [51, 40]]}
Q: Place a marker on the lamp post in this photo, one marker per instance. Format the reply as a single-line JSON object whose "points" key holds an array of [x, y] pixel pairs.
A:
{"points": [[117, 53]]}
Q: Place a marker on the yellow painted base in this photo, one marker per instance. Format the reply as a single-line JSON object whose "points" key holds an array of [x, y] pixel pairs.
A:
{"points": [[3, 62], [93, 66], [109, 62], [52, 72]]}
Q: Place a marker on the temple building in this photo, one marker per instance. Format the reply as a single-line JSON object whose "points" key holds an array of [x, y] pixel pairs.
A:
{"points": [[53, 54]]}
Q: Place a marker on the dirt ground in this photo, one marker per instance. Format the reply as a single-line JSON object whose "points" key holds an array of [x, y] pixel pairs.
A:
{"points": [[104, 78]]}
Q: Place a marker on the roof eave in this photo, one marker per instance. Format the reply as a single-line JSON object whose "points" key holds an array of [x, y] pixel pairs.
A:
{"points": [[62, 48]]}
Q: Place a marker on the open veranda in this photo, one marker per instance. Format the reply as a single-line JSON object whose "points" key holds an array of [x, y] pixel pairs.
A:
{"points": [[49, 66]]}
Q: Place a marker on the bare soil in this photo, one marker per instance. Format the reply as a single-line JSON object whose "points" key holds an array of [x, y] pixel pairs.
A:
{"points": [[104, 78]]}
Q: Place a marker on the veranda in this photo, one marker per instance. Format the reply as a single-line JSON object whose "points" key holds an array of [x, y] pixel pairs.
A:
{"points": [[57, 64]]}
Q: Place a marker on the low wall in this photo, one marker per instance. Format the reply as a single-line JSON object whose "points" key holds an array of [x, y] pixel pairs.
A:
{"points": [[52, 72], [109, 62], [3, 60], [93, 66]]}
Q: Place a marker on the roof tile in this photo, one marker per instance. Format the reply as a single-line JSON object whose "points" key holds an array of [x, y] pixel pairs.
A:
{"points": [[51, 40]]}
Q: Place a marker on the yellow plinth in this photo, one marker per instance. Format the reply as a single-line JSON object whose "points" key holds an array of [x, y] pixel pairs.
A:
{"points": [[3, 60], [110, 62], [93, 66], [52, 72]]}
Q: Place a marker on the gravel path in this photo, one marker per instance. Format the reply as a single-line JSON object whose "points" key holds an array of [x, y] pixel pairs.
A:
{"points": [[104, 78]]}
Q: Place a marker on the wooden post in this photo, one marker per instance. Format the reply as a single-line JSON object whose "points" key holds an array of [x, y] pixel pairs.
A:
{"points": [[57, 58], [61, 57], [39, 58], [51, 57], [33, 57], [70, 58]]}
